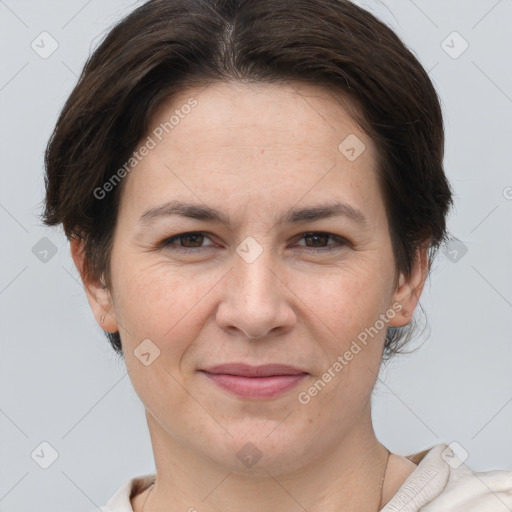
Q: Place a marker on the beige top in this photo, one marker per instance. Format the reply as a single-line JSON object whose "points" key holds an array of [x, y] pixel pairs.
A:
{"points": [[440, 483]]}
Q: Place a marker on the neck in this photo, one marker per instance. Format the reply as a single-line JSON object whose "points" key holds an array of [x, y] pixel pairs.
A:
{"points": [[347, 478]]}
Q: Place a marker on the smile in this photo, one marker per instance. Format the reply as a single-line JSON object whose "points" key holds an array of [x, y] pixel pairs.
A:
{"points": [[257, 382]]}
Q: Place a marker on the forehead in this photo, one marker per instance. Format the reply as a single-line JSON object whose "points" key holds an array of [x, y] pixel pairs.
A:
{"points": [[219, 141], [298, 113]]}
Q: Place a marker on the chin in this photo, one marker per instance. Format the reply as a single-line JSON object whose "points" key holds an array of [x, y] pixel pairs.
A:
{"points": [[263, 447]]}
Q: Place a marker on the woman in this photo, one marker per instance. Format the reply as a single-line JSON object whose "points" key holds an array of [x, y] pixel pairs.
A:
{"points": [[254, 194]]}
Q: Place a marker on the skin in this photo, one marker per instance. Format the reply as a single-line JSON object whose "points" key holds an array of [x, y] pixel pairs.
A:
{"points": [[254, 151]]}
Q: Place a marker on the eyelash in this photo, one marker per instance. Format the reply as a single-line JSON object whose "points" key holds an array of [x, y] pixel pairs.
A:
{"points": [[168, 242]]}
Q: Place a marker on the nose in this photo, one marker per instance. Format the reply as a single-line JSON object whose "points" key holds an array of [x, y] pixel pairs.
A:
{"points": [[256, 300]]}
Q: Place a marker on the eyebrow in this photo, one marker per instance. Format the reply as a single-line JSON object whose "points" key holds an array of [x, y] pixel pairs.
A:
{"points": [[292, 216]]}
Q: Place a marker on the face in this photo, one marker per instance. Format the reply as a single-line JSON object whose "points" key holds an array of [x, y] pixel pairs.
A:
{"points": [[260, 286]]}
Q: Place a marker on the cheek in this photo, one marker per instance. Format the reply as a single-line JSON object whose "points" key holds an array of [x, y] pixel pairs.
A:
{"points": [[345, 311], [349, 298], [164, 306], [161, 302]]}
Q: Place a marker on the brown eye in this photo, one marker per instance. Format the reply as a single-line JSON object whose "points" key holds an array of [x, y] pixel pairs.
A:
{"points": [[315, 242], [192, 239], [317, 238], [186, 242]]}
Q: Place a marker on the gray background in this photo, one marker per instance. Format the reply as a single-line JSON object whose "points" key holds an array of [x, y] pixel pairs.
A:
{"points": [[60, 383]]}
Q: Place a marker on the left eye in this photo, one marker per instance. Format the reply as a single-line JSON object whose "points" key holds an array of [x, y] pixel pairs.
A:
{"points": [[322, 236], [194, 241]]}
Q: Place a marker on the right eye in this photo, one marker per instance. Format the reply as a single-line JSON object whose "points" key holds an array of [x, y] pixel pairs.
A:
{"points": [[192, 238]]}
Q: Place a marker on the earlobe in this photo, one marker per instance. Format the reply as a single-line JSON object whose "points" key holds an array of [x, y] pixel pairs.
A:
{"points": [[409, 289], [98, 295]]}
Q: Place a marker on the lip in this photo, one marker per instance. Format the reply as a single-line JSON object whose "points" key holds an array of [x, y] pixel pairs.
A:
{"points": [[258, 382], [246, 370]]}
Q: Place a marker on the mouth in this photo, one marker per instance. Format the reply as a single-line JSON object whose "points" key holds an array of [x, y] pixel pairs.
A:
{"points": [[257, 382]]}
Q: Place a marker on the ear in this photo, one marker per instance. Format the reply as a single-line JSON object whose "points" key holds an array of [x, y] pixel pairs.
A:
{"points": [[409, 289], [98, 295]]}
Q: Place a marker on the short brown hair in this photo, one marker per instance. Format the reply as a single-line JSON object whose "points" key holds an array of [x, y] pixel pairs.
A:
{"points": [[164, 46]]}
